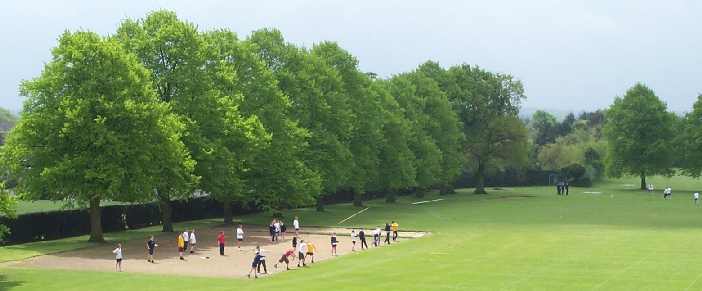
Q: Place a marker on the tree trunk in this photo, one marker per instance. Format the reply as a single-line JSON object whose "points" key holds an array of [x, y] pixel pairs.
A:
{"points": [[643, 181], [320, 204], [390, 197], [228, 216], [480, 175], [95, 220], [357, 198], [164, 204]]}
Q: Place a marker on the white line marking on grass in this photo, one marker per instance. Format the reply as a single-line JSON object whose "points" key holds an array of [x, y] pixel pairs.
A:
{"points": [[427, 201], [589, 192], [352, 215]]}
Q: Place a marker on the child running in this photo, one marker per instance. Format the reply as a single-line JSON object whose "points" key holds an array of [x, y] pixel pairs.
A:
{"points": [[334, 242], [239, 235], [151, 248], [290, 253], [181, 246], [220, 243], [118, 257]]}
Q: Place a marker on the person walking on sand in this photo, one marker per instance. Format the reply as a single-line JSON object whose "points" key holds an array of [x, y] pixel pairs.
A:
{"points": [[387, 233], [239, 236], [193, 241], [310, 251], [283, 229], [334, 242], [290, 253], [261, 260], [181, 246], [394, 227], [296, 225], [276, 229], [220, 242], [186, 239], [118, 257], [353, 240], [362, 238], [301, 250], [151, 249], [376, 236]]}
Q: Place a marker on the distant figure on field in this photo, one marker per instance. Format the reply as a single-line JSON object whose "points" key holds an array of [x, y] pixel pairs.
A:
{"points": [[310, 251], [283, 229], [559, 187], [254, 265], [566, 184], [151, 249], [668, 193], [387, 233], [277, 230], [296, 225], [220, 243], [294, 242], [239, 235], [376, 236], [261, 260], [186, 239], [334, 242], [181, 245], [118, 257], [362, 238], [696, 197], [271, 231], [395, 228], [353, 240], [193, 241]]}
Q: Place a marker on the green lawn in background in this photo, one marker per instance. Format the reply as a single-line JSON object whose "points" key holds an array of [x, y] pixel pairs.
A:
{"points": [[613, 238]]}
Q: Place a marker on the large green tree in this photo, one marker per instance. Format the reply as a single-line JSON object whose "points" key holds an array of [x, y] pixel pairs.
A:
{"points": [[318, 104], [185, 65], [7, 208], [93, 129], [688, 142], [487, 104], [639, 134]]}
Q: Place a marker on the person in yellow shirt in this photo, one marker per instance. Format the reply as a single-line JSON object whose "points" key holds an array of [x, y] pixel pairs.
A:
{"points": [[310, 251], [181, 245], [394, 226]]}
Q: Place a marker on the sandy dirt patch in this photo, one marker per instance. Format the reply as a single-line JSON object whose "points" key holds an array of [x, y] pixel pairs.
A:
{"points": [[206, 260]]}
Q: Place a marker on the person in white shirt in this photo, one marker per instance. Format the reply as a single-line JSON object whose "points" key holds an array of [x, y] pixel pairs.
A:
{"points": [[296, 225], [239, 235], [696, 197], [193, 241], [118, 257], [261, 260], [186, 239], [276, 228], [376, 236], [353, 240], [301, 251]]}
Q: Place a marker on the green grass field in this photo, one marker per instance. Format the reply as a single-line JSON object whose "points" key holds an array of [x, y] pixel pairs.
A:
{"points": [[618, 238]]}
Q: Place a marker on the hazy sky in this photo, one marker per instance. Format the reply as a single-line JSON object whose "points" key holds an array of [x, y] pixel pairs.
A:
{"points": [[571, 55]]}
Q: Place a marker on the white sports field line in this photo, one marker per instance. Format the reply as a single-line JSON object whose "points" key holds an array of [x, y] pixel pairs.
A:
{"points": [[352, 215], [588, 192], [427, 201]]}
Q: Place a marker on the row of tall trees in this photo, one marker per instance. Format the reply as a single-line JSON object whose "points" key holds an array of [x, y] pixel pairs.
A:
{"points": [[161, 109]]}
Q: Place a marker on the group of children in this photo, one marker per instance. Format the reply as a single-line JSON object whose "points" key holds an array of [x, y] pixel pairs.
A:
{"points": [[302, 251]]}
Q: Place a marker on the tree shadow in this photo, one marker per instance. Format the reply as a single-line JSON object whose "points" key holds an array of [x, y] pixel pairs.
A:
{"points": [[6, 284]]}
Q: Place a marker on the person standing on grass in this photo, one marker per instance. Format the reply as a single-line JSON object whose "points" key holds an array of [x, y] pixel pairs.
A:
{"points": [[696, 198], [181, 245], [290, 253], [310, 251], [376, 236], [387, 233], [362, 238], [261, 260], [118, 257], [220, 242], [186, 238], [334, 242], [193, 241], [394, 227], [353, 240], [566, 185], [151, 248], [239, 235], [296, 225], [254, 265], [301, 250]]}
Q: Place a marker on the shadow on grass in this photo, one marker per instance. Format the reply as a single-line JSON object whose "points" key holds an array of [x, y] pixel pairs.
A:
{"points": [[6, 284]]}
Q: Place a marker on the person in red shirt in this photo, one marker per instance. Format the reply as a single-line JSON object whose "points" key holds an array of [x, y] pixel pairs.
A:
{"points": [[284, 259], [220, 242]]}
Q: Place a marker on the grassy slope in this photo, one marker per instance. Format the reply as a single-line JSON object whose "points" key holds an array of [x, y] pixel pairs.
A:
{"points": [[620, 239]]}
